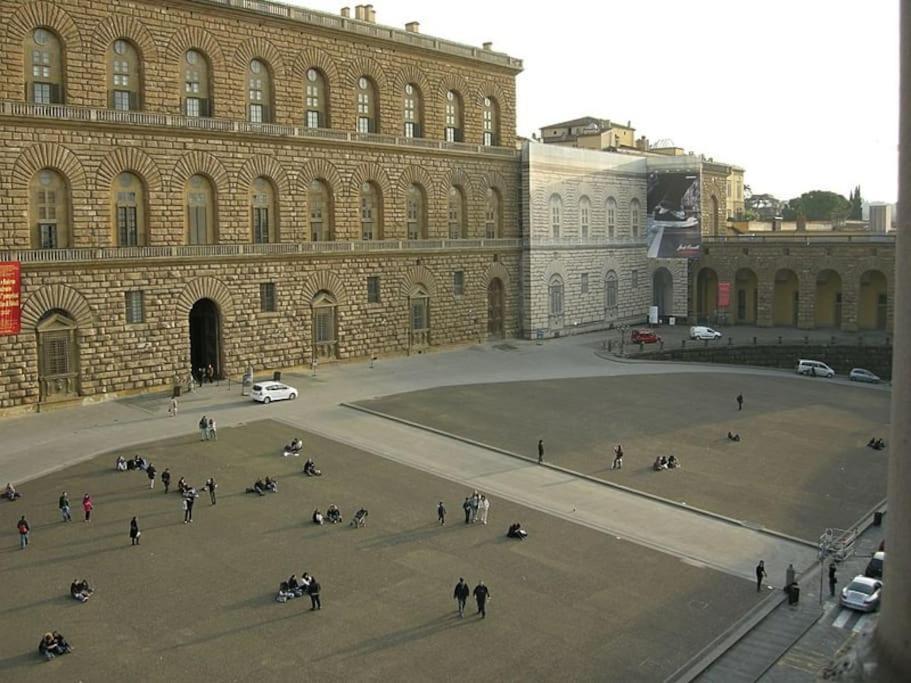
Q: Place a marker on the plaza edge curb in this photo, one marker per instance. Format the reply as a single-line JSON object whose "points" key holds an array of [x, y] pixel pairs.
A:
{"points": [[581, 475]]}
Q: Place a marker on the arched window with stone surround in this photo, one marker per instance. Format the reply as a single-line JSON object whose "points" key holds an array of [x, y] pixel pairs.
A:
{"points": [[611, 218], [458, 214], [413, 112], [319, 199], [493, 215], [555, 301], [610, 294], [316, 112], [196, 85], [556, 216], [324, 307], [50, 212], [416, 213], [44, 68], [202, 227], [129, 211], [371, 212], [124, 74], [58, 356], [367, 106], [419, 316], [454, 109], [585, 217], [635, 218], [259, 92], [491, 119], [263, 211]]}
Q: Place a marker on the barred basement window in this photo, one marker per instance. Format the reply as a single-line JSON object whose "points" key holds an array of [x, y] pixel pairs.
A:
{"points": [[373, 289], [135, 307], [267, 302], [584, 283], [458, 283]]}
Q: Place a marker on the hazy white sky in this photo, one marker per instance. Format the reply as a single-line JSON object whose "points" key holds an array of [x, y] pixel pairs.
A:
{"points": [[802, 93]]}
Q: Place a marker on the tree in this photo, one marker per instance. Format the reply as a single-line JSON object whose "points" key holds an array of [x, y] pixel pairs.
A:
{"points": [[856, 211], [817, 205]]}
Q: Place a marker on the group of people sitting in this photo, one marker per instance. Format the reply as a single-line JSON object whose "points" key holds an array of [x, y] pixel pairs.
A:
{"points": [[53, 644], [516, 531], [11, 493], [665, 463], [296, 588], [733, 437], [294, 448], [876, 444], [310, 469], [261, 487], [81, 590], [134, 463], [333, 515]]}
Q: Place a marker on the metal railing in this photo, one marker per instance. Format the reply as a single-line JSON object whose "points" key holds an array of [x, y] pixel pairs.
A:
{"points": [[813, 237]]}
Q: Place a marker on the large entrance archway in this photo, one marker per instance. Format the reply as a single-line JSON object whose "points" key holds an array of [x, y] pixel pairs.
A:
{"points": [[663, 292], [827, 311], [706, 295], [58, 357], [205, 338], [746, 285], [785, 303], [872, 301], [495, 308]]}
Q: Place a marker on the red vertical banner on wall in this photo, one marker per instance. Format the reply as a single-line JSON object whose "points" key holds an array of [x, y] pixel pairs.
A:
{"points": [[724, 294], [10, 298]]}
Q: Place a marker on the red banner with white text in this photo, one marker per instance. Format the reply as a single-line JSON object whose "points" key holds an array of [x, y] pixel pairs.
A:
{"points": [[10, 298]]}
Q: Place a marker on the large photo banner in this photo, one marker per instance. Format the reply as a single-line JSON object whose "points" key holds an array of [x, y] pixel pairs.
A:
{"points": [[672, 223], [10, 298]]}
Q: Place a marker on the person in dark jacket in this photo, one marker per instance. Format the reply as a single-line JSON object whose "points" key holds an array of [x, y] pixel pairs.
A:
{"points": [[135, 533], [313, 590], [481, 596], [461, 593], [151, 472], [166, 479]]}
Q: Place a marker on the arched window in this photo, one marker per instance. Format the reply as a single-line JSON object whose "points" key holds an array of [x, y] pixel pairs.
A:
{"points": [[556, 215], [454, 123], [197, 85], [416, 213], [371, 212], [458, 225], [259, 92], [610, 294], [491, 122], [58, 356], [128, 197], [634, 218], [320, 202], [585, 217], [325, 325], [317, 110], [413, 112], [419, 308], [555, 301], [263, 215], [367, 106], [201, 219], [124, 76], [493, 216], [50, 211], [43, 59], [611, 211]]}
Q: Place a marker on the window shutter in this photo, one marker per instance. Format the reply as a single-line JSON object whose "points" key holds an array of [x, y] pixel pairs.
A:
{"points": [[418, 133], [134, 101], [204, 109], [56, 93], [267, 114], [458, 135], [371, 125]]}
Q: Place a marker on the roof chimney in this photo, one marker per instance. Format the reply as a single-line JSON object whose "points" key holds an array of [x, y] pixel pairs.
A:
{"points": [[370, 15], [487, 46], [346, 12], [413, 27], [359, 13]]}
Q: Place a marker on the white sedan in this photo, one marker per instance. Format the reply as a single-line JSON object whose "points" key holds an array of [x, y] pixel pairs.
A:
{"points": [[266, 392]]}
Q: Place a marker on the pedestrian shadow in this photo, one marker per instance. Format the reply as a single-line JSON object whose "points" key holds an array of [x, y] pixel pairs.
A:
{"points": [[259, 602], [23, 659], [33, 605], [391, 640], [398, 538]]}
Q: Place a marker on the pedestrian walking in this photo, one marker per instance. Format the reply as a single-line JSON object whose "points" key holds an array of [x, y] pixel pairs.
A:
{"points": [[540, 451], [618, 458], [760, 574], [189, 499], [739, 401], [166, 479], [87, 507], [135, 533], [313, 590], [210, 373], [64, 504], [790, 576], [466, 506], [212, 433], [172, 409], [210, 487], [475, 502], [481, 596], [461, 593], [441, 513], [24, 528], [150, 472], [204, 428], [483, 507], [833, 580]]}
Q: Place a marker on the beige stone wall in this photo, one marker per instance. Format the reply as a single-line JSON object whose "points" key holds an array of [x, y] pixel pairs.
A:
{"points": [[714, 184]]}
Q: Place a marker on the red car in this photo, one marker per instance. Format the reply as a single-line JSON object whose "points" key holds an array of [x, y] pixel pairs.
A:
{"points": [[644, 337]]}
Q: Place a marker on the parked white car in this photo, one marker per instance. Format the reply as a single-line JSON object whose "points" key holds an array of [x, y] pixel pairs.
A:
{"points": [[814, 368], [700, 332], [266, 392]]}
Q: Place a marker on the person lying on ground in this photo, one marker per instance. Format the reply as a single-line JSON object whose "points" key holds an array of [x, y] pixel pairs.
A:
{"points": [[258, 487], [333, 514], [516, 531]]}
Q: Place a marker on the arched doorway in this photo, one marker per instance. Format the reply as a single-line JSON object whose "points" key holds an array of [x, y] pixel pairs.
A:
{"points": [[706, 295], [872, 301], [746, 285], [325, 326], [827, 311], [663, 292], [495, 308], [58, 357], [419, 314], [205, 338], [786, 301]]}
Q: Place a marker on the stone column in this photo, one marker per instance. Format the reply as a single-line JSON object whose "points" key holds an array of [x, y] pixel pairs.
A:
{"points": [[893, 635]]}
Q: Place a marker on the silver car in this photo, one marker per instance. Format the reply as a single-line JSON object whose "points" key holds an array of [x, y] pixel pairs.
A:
{"points": [[862, 594], [861, 375], [266, 392]]}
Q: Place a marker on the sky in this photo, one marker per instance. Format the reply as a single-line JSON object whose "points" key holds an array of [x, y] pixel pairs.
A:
{"points": [[803, 94]]}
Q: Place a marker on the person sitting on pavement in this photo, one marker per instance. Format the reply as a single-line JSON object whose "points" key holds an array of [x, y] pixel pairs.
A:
{"points": [[673, 463], [733, 437], [294, 448], [258, 487], [53, 644], [121, 464], [360, 518], [310, 468], [271, 485], [10, 493], [516, 531], [295, 586], [317, 516], [333, 514], [876, 444], [284, 592], [80, 590], [660, 463]]}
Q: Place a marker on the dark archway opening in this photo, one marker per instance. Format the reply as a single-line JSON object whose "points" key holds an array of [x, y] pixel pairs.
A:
{"points": [[205, 339], [495, 309]]}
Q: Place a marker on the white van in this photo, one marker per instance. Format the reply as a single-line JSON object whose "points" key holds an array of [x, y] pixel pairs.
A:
{"points": [[814, 368], [700, 332]]}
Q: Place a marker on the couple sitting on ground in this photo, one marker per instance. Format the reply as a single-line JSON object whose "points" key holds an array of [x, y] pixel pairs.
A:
{"points": [[81, 590], [292, 588], [333, 515], [136, 463], [53, 644], [293, 448], [260, 487], [11, 493], [733, 437], [666, 463], [876, 444], [516, 531]]}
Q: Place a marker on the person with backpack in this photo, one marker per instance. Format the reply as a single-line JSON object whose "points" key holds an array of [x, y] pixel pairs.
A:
{"points": [[24, 529]]}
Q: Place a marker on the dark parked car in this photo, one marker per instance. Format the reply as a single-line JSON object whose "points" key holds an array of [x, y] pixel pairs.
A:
{"points": [[874, 568]]}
